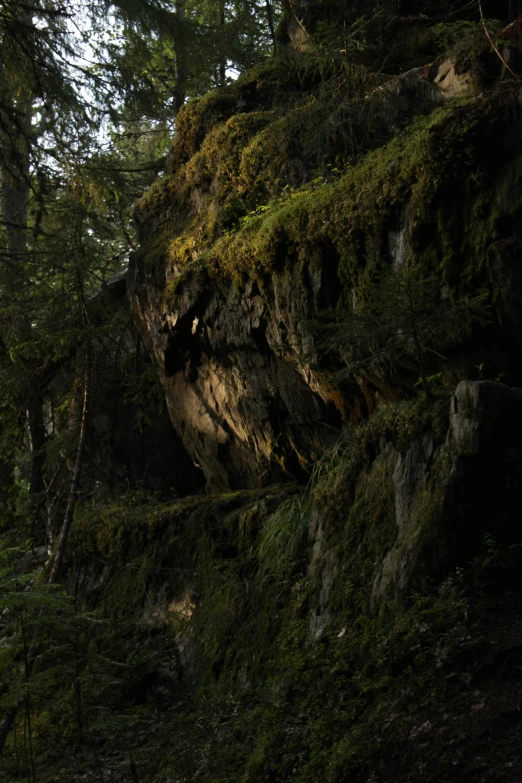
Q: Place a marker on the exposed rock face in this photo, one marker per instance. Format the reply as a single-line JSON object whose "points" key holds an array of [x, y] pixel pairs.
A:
{"points": [[220, 290], [423, 89], [416, 497], [446, 497], [232, 362], [485, 419]]}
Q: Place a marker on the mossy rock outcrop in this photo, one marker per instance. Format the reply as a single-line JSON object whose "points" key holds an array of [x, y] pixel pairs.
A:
{"points": [[246, 239]]}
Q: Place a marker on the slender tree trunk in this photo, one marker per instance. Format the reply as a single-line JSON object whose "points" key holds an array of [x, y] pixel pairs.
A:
{"points": [[270, 21], [180, 54], [10, 713], [223, 62], [16, 188], [14, 201], [73, 494], [28, 703], [15, 194], [78, 693], [77, 666], [38, 437]]}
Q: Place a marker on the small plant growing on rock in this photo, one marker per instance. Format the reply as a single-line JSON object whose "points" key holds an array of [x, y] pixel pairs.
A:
{"points": [[403, 316]]}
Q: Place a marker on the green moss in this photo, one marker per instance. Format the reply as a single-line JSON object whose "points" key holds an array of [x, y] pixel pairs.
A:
{"points": [[239, 207], [261, 697]]}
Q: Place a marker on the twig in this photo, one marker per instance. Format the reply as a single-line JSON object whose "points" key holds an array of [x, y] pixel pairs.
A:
{"points": [[493, 45]]}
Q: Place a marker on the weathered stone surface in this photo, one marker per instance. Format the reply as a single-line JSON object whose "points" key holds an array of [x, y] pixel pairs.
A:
{"points": [[454, 82], [33, 560], [485, 418], [448, 498], [233, 365], [320, 615], [423, 89], [417, 497], [234, 361], [446, 495]]}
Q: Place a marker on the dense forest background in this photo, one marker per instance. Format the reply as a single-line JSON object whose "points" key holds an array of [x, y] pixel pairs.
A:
{"points": [[95, 485]]}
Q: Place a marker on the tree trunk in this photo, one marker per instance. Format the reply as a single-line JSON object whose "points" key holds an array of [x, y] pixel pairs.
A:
{"points": [[38, 440], [270, 21], [222, 63], [180, 54], [10, 713], [75, 484], [15, 148], [16, 187]]}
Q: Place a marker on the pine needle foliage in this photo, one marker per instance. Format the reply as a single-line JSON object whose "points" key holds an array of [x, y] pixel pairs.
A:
{"points": [[404, 317]]}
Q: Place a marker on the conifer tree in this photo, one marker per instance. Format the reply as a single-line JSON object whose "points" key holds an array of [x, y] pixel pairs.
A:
{"points": [[403, 317], [85, 121]]}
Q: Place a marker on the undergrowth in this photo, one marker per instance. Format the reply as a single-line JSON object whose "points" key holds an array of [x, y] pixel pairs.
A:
{"points": [[199, 644]]}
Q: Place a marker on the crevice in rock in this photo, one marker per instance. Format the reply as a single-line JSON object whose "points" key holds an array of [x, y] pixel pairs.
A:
{"points": [[184, 346], [331, 286], [258, 335]]}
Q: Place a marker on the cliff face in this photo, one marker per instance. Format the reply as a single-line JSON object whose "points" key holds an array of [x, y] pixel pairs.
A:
{"points": [[223, 288], [225, 298], [332, 609], [233, 366], [331, 289]]}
